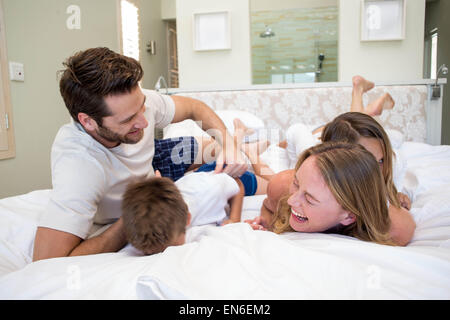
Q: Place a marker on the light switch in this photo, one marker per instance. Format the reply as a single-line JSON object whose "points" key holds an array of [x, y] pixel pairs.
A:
{"points": [[16, 71]]}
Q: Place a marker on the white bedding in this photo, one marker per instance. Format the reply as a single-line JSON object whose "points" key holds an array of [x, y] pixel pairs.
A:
{"points": [[235, 262]]}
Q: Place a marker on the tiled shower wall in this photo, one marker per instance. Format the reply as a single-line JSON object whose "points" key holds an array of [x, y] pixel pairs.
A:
{"points": [[291, 56]]}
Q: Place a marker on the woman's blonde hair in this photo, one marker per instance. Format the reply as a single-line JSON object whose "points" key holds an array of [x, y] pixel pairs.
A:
{"points": [[353, 176], [350, 127]]}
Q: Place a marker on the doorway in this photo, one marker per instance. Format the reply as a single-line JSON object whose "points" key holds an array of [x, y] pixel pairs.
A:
{"points": [[437, 53], [7, 142], [171, 26]]}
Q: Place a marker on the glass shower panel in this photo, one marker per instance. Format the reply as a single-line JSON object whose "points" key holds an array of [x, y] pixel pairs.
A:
{"points": [[295, 45]]}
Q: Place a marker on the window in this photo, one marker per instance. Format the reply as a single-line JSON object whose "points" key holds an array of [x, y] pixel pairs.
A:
{"points": [[7, 146], [130, 29], [433, 57], [430, 54]]}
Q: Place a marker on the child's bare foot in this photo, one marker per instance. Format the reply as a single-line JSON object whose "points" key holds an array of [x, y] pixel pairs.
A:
{"points": [[255, 148], [389, 102], [359, 83], [283, 144], [384, 102], [240, 131], [239, 125]]}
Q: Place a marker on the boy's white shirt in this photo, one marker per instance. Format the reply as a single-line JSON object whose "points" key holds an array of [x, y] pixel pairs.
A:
{"points": [[89, 179], [206, 195]]}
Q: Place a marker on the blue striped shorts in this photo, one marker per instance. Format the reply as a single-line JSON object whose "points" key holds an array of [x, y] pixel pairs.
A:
{"points": [[174, 156]]}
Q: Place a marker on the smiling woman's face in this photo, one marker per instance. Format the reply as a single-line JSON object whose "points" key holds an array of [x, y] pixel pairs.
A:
{"points": [[313, 206]]}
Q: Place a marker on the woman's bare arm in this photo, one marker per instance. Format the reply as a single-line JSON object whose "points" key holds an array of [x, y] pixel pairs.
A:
{"points": [[402, 225]]}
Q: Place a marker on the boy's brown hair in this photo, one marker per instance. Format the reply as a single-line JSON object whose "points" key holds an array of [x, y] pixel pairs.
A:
{"points": [[94, 74], [154, 214]]}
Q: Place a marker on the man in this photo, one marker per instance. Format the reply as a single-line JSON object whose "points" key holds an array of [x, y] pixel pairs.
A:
{"points": [[109, 143]]}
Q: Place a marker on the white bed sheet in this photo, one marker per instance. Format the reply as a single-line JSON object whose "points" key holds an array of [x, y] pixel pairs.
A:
{"points": [[235, 262]]}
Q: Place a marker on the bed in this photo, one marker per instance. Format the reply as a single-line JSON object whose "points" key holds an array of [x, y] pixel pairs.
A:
{"points": [[235, 262]]}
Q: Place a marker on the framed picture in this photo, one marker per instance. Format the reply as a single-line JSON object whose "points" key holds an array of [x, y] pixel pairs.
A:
{"points": [[212, 31], [383, 20]]}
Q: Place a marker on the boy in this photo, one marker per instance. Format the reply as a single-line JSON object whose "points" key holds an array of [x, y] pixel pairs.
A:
{"points": [[156, 211]]}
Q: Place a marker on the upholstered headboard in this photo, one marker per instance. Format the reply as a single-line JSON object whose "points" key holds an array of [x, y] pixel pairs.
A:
{"points": [[281, 107]]}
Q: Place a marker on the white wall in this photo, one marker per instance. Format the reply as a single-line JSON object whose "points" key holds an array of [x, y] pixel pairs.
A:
{"points": [[37, 36], [168, 9], [380, 60], [151, 27], [214, 68]]}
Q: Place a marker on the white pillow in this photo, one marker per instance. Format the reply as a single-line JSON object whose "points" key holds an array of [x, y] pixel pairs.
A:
{"points": [[190, 128], [249, 120], [396, 138], [184, 128]]}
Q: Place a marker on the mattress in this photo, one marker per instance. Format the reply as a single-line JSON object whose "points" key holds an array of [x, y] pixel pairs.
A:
{"points": [[236, 262]]}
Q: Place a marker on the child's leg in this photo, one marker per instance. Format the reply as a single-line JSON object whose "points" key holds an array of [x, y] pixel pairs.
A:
{"points": [[262, 185], [240, 131], [360, 86], [283, 144], [207, 150], [252, 151], [376, 108]]}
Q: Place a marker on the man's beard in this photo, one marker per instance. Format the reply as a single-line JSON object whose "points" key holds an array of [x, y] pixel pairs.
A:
{"points": [[114, 137]]}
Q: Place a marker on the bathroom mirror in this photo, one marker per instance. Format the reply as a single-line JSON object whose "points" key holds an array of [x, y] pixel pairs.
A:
{"points": [[272, 42], [294, 41]]}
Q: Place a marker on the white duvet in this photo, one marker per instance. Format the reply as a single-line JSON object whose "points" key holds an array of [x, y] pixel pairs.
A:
{"points": [[235, 262]]}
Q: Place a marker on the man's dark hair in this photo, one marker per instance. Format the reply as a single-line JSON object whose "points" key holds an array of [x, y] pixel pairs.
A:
{"points": [[94, 74]]}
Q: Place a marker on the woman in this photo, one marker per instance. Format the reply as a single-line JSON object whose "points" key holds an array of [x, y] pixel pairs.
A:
{"points": [[338, 187], [356, 127]]}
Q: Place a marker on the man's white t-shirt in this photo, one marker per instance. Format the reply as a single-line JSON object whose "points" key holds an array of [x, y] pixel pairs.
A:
{"points": [[89, 179], [206, 195]]}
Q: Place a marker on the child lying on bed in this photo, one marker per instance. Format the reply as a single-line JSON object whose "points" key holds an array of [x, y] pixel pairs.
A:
{"points": [[156, 211], [358, 126]]}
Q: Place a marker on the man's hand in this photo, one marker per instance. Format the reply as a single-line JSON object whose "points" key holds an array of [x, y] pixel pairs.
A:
{"points": [[404, 200], [402, 225], [257, 223], [232, 156]]}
